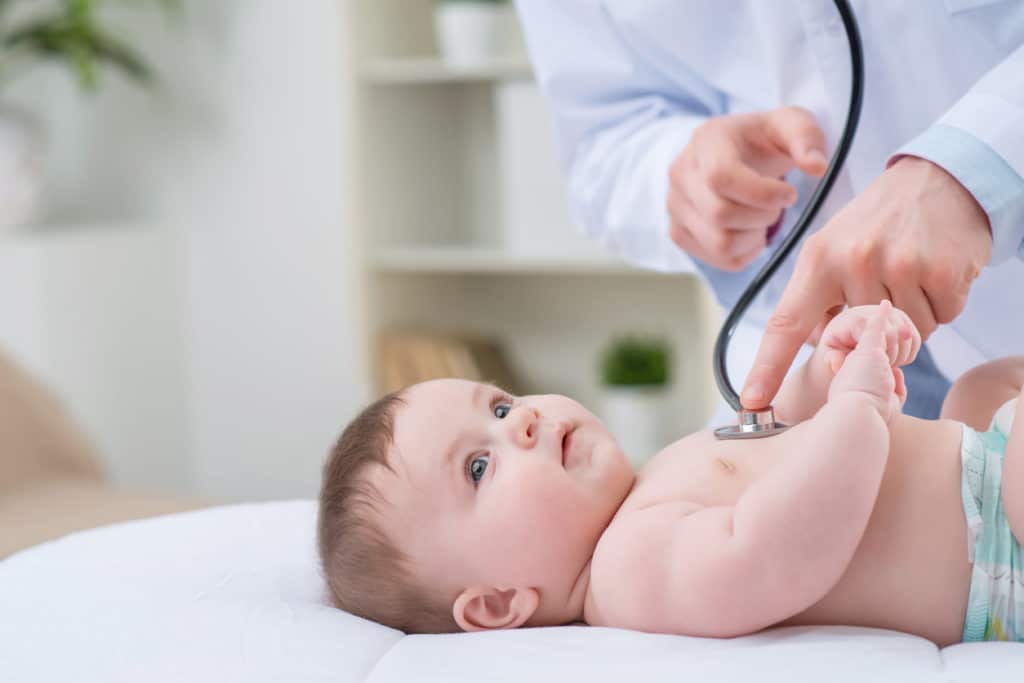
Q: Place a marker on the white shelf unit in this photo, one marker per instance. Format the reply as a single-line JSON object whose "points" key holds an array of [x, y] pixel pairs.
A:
{"points": [[459, 205]]}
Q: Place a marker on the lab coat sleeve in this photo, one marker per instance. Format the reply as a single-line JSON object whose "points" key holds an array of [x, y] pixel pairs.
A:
{"points": [[620, 121], [980, 141]]}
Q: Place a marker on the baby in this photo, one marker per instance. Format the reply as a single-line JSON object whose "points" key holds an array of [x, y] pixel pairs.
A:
{"points": [[452, 505]]}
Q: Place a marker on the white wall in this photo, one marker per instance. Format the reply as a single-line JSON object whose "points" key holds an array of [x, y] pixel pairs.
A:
{"points": [[270, 278], [97, 313], [240, 154]]}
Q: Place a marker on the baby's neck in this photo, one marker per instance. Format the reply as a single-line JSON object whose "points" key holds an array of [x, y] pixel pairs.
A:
{"points": [[558, 611], [587, 611], [581, 593]]}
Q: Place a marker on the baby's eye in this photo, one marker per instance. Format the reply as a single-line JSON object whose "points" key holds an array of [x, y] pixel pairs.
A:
{"points": [[502, 410], [477, 466]]}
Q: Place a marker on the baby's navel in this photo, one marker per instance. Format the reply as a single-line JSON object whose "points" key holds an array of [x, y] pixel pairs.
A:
{"points": [[725, 464]]}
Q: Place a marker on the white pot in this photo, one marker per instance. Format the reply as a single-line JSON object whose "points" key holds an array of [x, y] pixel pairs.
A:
{"points": [[636, 416], [470, 33], [22, 167]]}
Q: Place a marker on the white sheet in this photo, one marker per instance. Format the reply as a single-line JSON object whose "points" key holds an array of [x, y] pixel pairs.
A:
{"points": [[234, 594]]}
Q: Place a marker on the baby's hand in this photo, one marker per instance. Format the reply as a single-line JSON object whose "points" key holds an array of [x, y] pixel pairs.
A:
{"points": [[869, 368], [840, 337]]}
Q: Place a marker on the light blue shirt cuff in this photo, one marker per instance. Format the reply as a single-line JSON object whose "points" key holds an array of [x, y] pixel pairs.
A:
{"points": [[994, 184]]}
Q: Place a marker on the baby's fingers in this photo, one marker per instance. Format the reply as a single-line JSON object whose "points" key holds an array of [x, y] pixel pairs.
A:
{"points": [[835, 360], [901, 386], [892, 342], [874, 335], [906, 335]]}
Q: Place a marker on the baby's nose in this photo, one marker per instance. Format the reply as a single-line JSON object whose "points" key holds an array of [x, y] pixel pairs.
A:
{"points": [[522, 422]]}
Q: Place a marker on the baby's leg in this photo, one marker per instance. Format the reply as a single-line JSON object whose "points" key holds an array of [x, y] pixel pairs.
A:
{"points": [[974, 400], [976, 396], [1013, 474]]}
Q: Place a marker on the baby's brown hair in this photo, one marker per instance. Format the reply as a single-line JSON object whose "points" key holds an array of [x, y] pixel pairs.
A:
{"points": [[367, 574]]}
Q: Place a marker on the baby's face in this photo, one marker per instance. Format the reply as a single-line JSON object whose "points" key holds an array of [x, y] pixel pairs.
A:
{"points": [[494, 490]]}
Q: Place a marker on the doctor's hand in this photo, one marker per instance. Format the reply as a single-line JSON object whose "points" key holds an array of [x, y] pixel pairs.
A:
{"points": [[725, 187], [915, 236]]}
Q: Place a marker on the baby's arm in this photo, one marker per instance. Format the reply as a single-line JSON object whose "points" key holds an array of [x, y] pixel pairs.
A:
{"points": [[806, 389], [728, 571]]}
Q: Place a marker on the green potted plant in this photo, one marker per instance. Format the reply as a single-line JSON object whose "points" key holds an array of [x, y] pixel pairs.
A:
{"points": [[33, 32], [470, 32], [635, 378]]}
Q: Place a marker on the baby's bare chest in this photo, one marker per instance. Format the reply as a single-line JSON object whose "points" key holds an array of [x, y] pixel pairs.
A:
{"points": [[705, 471]]}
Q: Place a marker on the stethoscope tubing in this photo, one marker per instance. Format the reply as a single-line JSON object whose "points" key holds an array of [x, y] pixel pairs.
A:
{"points": [[810, 211]]}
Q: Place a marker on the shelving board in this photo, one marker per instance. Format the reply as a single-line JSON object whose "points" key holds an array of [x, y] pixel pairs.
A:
{"points": [[474, 259], [422, 70]]}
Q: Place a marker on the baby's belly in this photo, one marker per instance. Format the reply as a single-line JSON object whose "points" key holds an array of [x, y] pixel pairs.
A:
{"points": [[911, 571]]}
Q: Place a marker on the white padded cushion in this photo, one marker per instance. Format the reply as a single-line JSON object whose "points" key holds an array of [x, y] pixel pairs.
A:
{"points": [[235, 594], [226, 594]]}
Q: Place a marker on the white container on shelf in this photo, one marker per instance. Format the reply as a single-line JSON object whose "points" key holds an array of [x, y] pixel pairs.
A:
{"points": [[470, 34], [636, 416]]}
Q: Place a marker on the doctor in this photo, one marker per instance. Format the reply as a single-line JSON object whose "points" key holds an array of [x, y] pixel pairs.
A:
{"points": [[692, 134]]}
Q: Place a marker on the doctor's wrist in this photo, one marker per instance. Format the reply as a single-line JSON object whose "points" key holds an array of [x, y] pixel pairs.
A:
{"points": [[938, 182], [985, 173]]}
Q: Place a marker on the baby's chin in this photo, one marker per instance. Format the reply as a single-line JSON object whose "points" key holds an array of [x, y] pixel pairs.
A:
{"points": [[623, 477]]}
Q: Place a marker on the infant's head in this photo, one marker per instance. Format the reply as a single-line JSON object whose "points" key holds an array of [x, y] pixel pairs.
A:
{"points": [[452, 505]]}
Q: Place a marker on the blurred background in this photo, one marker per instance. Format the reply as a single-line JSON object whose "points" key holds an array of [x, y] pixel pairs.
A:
{"points": [[228, 224]]}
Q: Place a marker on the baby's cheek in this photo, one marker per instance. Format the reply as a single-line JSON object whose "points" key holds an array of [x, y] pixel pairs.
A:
{"points": [[517, 548], [542, 509]]}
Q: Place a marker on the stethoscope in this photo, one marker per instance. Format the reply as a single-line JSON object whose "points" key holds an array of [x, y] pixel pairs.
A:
{"points": [[753, 424]]}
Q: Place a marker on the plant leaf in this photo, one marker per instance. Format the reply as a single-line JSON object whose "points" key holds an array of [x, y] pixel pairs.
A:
{"points": [[115, 52], [71, 35]]}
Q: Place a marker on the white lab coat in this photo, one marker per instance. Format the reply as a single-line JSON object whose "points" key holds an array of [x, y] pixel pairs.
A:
{"points": [[628, 81]]}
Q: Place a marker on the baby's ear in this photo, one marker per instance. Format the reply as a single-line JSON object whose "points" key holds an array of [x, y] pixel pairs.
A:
{"points": [[482, 608]]}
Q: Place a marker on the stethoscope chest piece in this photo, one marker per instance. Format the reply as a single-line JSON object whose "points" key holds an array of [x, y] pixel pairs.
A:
{"points": [[753, 424]]}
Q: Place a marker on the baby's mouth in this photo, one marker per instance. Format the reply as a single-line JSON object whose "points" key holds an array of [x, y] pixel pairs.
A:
{"points": [[566, 445]]}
